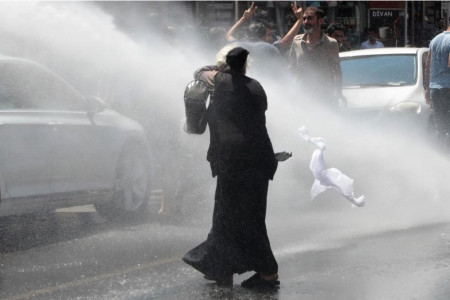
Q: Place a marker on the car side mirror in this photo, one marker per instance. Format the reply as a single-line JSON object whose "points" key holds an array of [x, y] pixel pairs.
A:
{"points": [[95, 105]]}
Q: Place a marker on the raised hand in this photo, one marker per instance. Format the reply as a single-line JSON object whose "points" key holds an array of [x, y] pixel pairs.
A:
{"points": [[248, 14], [298, 11]]}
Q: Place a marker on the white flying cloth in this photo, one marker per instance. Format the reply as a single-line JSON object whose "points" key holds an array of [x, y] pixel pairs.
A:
{"points": [[327, 178]]}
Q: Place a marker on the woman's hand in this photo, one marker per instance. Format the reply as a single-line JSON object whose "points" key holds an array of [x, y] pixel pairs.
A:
{"points": [[282, 156]]}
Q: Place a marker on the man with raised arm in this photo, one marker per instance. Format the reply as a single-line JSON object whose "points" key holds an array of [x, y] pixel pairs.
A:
{"points": [[314, 59]]}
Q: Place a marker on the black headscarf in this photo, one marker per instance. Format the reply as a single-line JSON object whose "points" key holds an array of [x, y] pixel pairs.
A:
{"points": [[237, 57]]}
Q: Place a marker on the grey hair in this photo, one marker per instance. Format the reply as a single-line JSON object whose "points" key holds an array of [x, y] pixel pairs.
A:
{"points": [[221, 58]]}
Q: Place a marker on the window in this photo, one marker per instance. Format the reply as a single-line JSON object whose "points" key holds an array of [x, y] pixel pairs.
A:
{"points": [[382, 70], [28, 86]]}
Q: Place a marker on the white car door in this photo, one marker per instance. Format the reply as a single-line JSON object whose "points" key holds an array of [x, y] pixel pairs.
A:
{"points": [[85, 153], [84, 148], [25, 147]]}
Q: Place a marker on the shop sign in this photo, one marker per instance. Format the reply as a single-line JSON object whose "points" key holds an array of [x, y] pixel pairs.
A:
{"points": [[383, 18], [378, 13]]}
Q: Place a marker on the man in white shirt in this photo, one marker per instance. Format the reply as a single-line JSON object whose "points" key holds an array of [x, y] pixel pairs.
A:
{"points": [[372, 40]]}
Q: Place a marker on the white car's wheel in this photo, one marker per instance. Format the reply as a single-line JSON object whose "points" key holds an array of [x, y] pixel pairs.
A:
{"points": [[132, 187]]}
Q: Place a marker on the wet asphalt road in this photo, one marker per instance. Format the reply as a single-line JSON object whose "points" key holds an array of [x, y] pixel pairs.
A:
{"points": [[75, 254]]}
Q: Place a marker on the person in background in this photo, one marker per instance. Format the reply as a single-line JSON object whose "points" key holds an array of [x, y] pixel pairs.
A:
{"points": [[241, 156], [372, 41], [283, 43], [441, 25], [314, 60], [337, 32], [399, 31], [266, 35], [265, 58], [261, 16], [437, 81]]}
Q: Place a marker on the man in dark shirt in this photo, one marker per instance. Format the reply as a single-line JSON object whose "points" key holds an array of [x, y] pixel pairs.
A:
{"points": [[242, 158]]}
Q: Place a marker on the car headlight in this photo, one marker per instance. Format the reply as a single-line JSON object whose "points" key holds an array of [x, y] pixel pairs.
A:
{"points": [[407, 106]]}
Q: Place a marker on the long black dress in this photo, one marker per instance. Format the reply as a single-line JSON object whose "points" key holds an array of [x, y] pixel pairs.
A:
{"points": [[242, 158]]}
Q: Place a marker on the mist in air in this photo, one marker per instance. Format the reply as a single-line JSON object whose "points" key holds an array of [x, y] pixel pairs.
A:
{"points": [[144, 75]]}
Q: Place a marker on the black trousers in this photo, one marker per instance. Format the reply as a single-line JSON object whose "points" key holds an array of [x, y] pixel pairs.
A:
{"points": [[440, 103], [238, 240]]}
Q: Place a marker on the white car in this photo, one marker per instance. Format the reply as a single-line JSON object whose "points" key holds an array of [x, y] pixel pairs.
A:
{"points": [[383, 82], [59, 148]]}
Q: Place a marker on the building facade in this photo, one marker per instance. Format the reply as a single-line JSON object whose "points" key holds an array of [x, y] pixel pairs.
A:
{"points": [[399, 23]]}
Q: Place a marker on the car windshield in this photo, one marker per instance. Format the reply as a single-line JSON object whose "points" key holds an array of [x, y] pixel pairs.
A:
{"points": [[379, 70]]}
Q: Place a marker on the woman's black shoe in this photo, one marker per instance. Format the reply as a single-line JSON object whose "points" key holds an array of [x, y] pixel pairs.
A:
{"points": [[256, 281]]}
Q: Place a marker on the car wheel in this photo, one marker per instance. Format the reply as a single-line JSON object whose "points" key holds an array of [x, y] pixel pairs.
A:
{"points": [[132, 187]]}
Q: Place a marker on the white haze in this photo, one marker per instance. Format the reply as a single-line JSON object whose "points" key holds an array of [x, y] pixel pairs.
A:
{"points": [[404, 180]]}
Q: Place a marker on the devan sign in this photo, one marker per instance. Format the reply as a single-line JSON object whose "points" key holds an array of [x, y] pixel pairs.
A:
{"points": [[382, 13]]}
